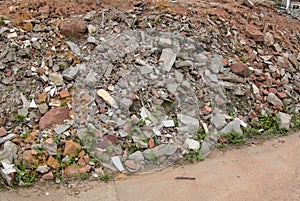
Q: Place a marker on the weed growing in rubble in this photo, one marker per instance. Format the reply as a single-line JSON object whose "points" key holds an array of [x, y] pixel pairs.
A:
{"points": [[270, 125], [194, 156], [20, 118], [24, 176], [235, 137], [105, 177], [296, 121]]}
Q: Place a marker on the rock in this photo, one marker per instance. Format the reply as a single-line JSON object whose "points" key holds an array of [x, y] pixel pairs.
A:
{"points": [[284, 120], [218, 121], [64, 93], [161, 150], [71, 171], [75, 28], [28, 26], [50, 146], [117, 162], [180, 64], [136, 156], [2, 131], [44, 11], [191, 144], [53, 162], [277, 47], [91, 79], [56, 78], [274, 100], [61, 128], [85, 169], [240, 69], [125, 103], [43, 169], [187, 120], [31, 137], [23, 112], [42, 98], [206, 148], [292, 58], [233, 126], [71, 148], [107, 98], [32, 104], [132, 166], [28, 159], [43, 108], [268, 39], [168, 123], [92, 40], [91, 29], [70, 73], [12, 35], [253, 32], [9, 151], [147, 116], [48, 176], [7, 138], [168, 58], [216, 65], [281, 95], [255, 89], [74, 48], [248, 3], [54, 116]]}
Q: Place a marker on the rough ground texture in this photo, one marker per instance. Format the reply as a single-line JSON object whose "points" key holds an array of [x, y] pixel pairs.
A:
{"points": [[269, 171], [90, 89]]}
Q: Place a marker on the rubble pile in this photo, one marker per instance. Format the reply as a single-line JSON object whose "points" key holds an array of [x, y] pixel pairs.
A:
{"points": [[135, 90]]}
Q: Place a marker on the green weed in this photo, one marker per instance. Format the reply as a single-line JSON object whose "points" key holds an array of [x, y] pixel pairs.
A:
{"points": [[20, 118], [194, 156], [105, 177]]}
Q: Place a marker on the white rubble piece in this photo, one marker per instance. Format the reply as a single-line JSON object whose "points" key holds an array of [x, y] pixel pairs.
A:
{"points": [[117, 162], [107, 98], [147, 116], [32, 104], [192, 144], [24, 101], [168, 123], [6, 171], [168, 58]]}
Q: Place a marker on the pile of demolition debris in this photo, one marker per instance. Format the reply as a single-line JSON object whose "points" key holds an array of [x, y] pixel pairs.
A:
{"points": [[136, 86]]}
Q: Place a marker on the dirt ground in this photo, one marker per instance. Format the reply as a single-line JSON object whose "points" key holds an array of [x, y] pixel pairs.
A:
{"points": [[270, 171]]}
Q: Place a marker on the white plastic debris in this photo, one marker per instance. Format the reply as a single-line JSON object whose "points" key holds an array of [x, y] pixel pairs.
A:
{"points": [[117, 162]]}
